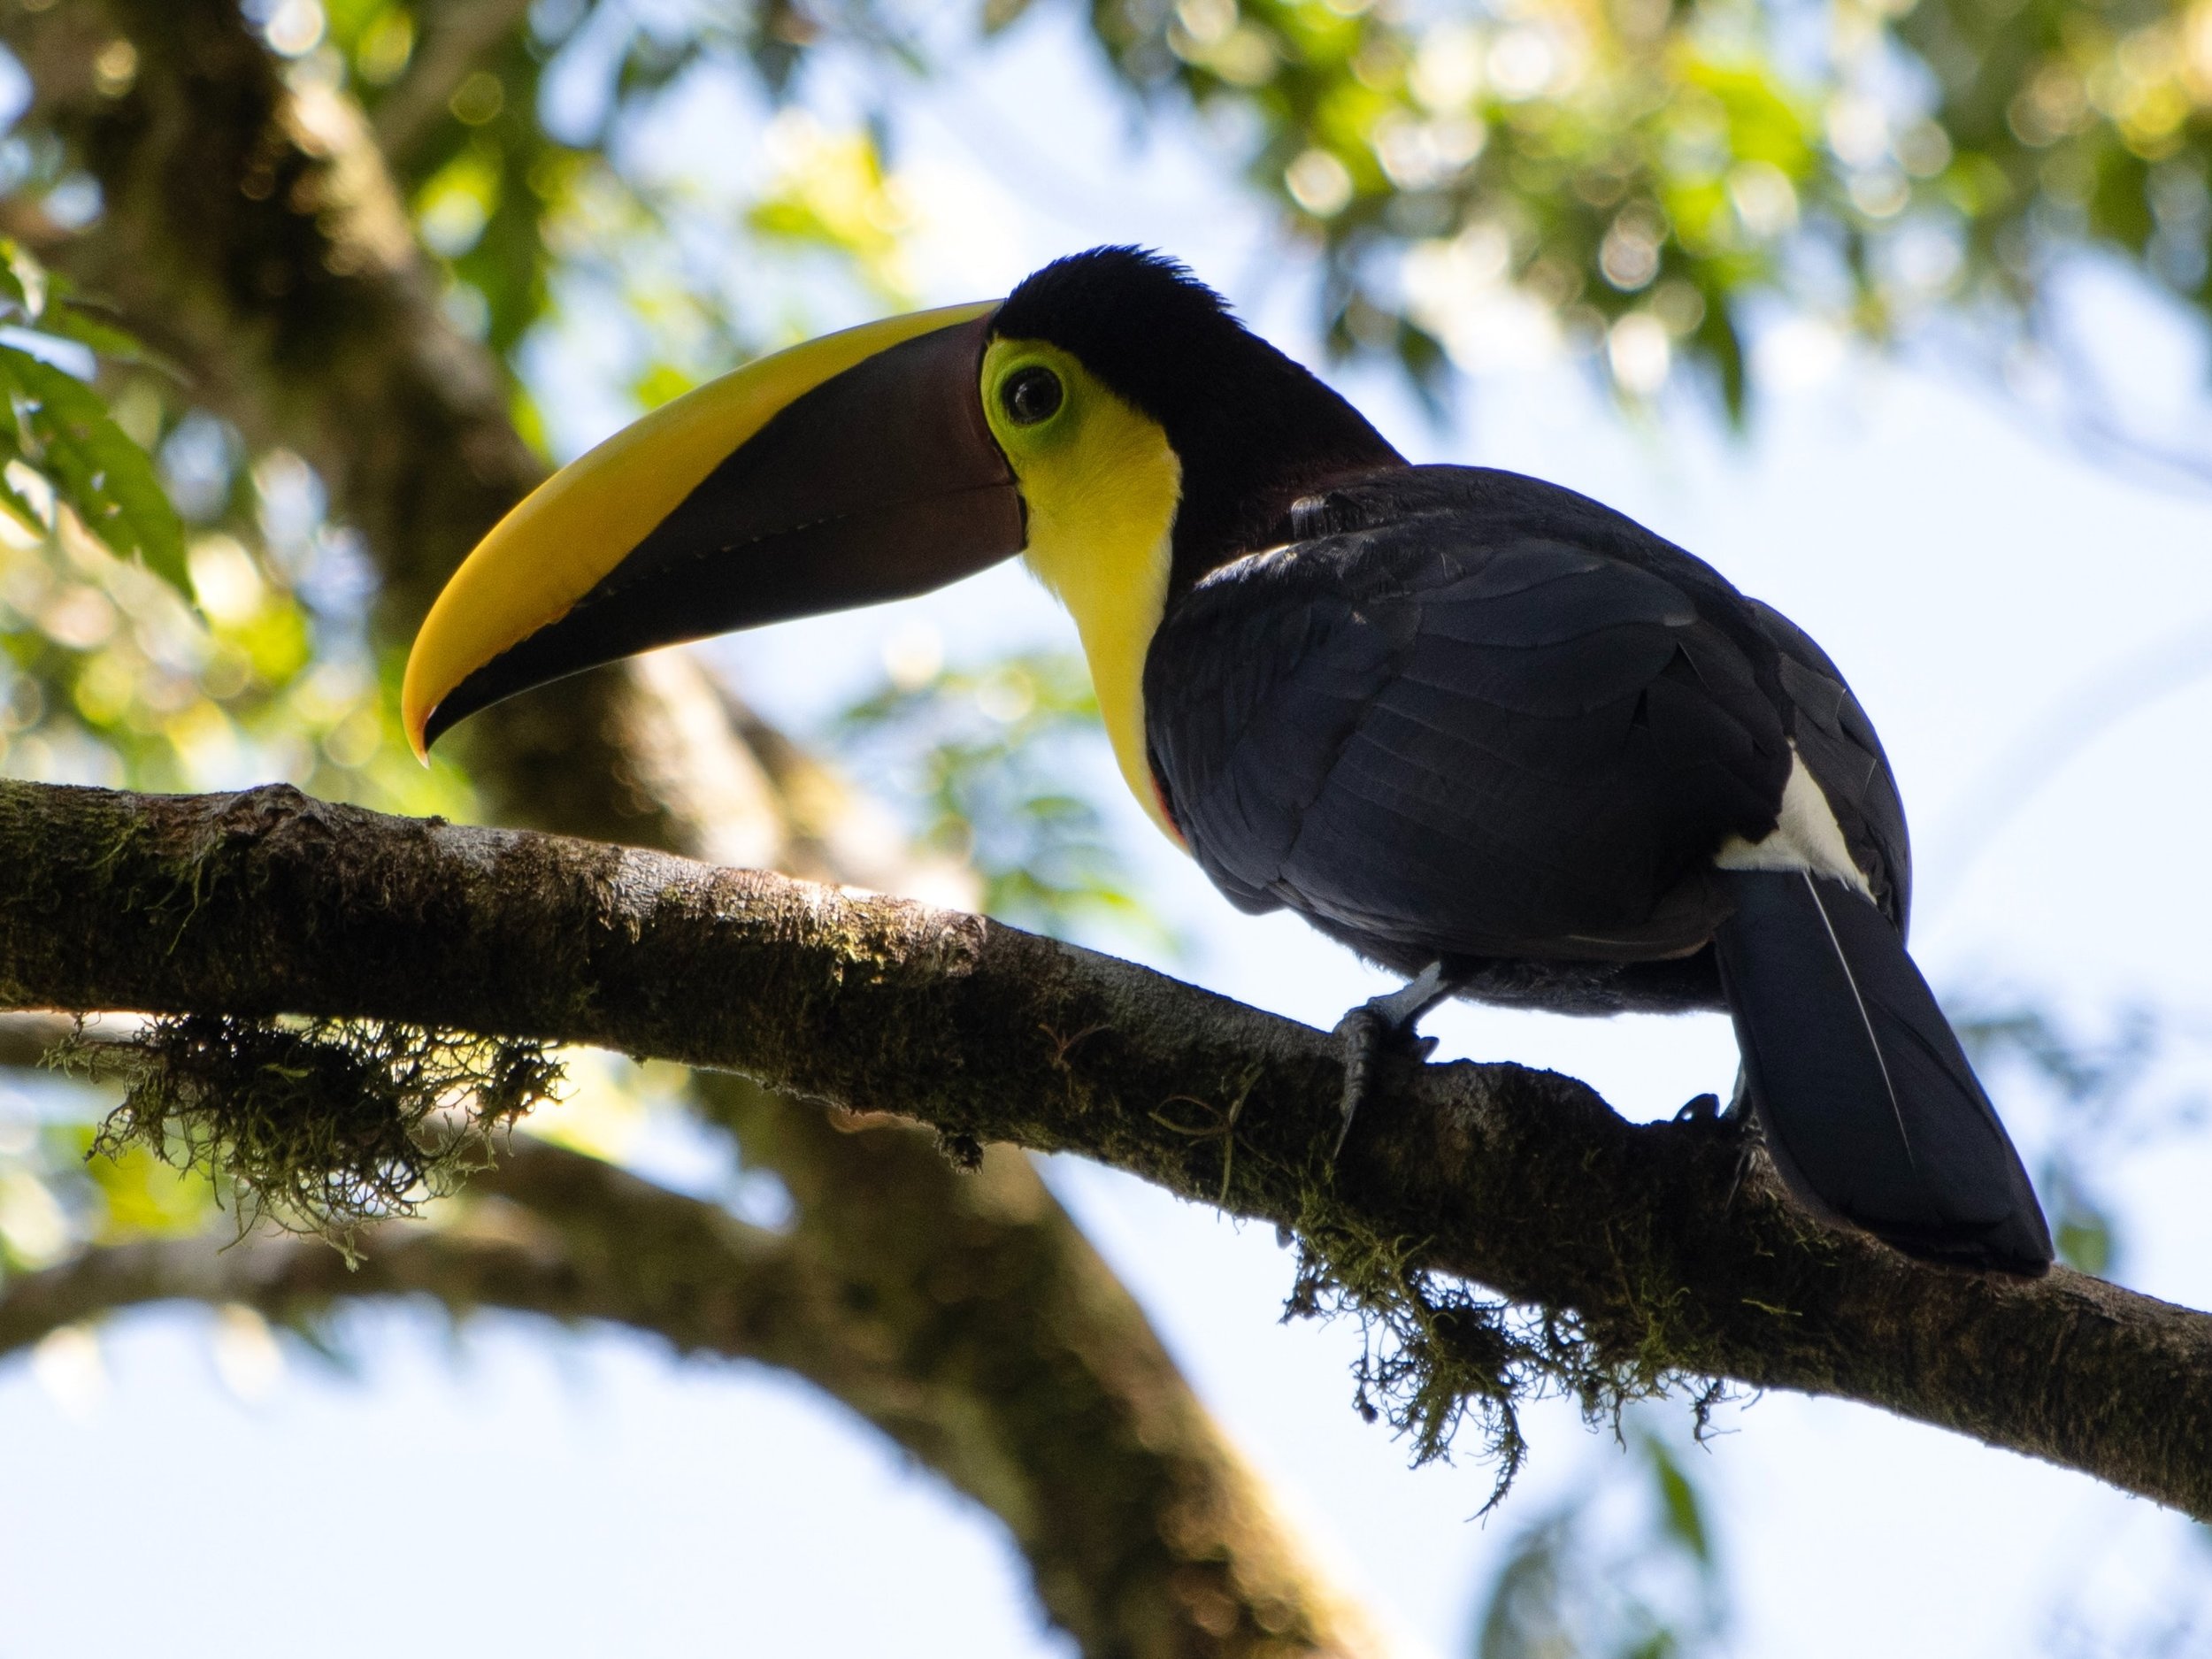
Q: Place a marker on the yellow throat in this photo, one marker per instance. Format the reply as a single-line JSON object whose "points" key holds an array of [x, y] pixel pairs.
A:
{"points": [[1101, 484]]}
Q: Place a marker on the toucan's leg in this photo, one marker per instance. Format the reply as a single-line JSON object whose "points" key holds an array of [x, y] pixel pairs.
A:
{"points": [[1707, 1108], [1380, 1021]]}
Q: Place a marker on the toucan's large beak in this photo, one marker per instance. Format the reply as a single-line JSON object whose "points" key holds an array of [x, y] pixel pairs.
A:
{"points": [[852, 469]]}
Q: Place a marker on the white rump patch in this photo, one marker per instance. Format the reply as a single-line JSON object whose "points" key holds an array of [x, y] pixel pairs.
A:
{"points": [[1806, 838]]}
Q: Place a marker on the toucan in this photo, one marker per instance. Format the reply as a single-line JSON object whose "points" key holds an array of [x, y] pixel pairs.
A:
{"points": [[1486, 732]]}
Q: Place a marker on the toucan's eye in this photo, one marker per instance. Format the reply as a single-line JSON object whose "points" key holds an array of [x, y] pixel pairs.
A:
{"points": [[1030, 394]]}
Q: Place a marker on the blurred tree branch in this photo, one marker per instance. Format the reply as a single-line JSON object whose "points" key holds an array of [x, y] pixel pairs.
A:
{"points": [[1085, 1438], [1654, 1248]]}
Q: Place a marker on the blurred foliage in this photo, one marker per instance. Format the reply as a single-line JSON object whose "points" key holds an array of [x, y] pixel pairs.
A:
{"points": [[1646, 173], [1628, 1568], [990, 757], [107, 676], [454, 90], [1631, 179], [62, 454], [55, 1199], [534, 205]]}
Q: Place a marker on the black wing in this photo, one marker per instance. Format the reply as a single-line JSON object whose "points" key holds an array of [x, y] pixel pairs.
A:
{"points": [[1472, 716]]}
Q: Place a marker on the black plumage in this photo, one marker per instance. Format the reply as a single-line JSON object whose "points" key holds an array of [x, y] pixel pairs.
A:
{"points": [[1454, 716], [1466, 715]]}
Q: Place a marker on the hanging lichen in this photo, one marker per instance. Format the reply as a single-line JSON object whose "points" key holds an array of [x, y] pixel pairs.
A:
{"points": [[1437, 1357], [318, 1125]]}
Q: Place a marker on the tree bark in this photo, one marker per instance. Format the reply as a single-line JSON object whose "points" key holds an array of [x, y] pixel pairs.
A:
{"points": [[1666, 1254], [252, 232]]}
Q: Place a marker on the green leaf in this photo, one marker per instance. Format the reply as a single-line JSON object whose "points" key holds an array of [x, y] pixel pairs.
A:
{"points": [[107, 481], [105, 340], [2084, 1240], [1522, 1619], [13, 501], [1678, 1499], [12, 292], [25, 285]]}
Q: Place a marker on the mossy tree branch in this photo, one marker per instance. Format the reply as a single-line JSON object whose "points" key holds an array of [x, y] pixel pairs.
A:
{"points": [[1644, 1237]]}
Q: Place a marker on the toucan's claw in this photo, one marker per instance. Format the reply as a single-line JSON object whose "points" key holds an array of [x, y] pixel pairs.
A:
{"points": [[1381, 1024], [1702, 1109], [1360, 1032]]}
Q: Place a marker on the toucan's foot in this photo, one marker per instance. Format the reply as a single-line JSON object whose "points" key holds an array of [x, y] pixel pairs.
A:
{"points": [[1705, 1109], [1380, 1025]]}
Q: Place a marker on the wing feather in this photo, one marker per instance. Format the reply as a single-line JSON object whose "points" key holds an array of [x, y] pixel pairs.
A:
{"points": [[1450, 734]]}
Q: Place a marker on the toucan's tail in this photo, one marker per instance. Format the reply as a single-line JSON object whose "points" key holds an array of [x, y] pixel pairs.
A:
{"points": [[1869, 1104]]}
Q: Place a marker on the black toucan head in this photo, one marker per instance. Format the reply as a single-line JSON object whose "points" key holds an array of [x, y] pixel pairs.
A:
{"points": [[1111, 421]]}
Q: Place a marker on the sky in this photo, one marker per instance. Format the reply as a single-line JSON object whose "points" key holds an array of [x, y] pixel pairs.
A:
{"points": [[1985, 588]]}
